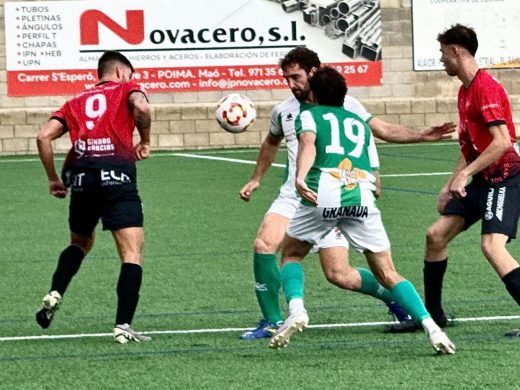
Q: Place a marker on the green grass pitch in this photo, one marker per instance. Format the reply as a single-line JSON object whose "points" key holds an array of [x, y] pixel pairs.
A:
{"points": [[198, 295]]}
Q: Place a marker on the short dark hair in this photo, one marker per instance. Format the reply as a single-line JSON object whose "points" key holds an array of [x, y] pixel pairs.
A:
{"points": [[328, 87], [302, 56], [460, 35], [108, 59]]}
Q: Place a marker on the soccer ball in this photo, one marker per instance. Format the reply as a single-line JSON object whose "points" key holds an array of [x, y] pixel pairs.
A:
{"points": [[235, 113]]}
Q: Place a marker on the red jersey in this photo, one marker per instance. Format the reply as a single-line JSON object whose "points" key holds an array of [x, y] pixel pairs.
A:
{"points": [[100, 124], [485, 103]]}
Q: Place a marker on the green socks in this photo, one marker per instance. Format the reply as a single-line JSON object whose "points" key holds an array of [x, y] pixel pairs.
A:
{"points": [[370, 286], [292, 280], [408, 298], [267, 286]]}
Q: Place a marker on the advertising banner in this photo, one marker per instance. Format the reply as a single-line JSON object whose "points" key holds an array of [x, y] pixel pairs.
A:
{"points": [[200, 45], [494, 21]]}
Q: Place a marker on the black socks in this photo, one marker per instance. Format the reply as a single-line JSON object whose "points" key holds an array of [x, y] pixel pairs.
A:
{"points": [[128, 287], [433, 276], [512, 282], [68, 265]]}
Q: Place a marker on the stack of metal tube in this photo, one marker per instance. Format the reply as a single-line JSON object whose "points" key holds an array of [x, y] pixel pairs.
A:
{"points": [[358, 20]]}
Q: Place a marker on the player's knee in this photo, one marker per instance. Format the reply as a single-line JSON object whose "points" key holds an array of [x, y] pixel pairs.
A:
{"points": [[490, 246], [263, 245], [332, 276], [344, 278], [131, 254], [83, 242], [434, 238]]}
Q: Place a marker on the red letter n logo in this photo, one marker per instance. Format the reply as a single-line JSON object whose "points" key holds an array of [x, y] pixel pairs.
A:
{"points": [[89, 27]]}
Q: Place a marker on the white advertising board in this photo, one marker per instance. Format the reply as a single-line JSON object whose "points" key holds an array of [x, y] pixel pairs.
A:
{"points": [[494, 21], [200, 45]]}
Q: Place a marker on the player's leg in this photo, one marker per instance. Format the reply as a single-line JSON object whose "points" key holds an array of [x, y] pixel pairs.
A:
{"points": [[498, 227], [68, 265], [494, 248], [70, 260], [129, 243], [458, 215], [438, 235], [122, 214], [293, 251], [305, 230], [337, 270], [406, 295], [368, 232], [265, 266], [83, 217]]}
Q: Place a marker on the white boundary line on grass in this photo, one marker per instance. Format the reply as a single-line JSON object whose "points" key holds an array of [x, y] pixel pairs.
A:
{"points": [[239, 161], [250, 162], [229, 330], [227, 151]]}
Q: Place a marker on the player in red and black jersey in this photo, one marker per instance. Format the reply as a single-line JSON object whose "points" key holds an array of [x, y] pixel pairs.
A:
{"points": [[100, 171], [490, 156]]}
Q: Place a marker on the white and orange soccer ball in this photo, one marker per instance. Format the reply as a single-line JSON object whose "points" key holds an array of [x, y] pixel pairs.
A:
{"points": [[235, 113]]}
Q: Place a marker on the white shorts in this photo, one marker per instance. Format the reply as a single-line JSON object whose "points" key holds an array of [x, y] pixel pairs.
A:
{"points": [[286, 206], [361, 225]]}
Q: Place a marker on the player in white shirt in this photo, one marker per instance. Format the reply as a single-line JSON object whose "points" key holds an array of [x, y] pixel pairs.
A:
{"points": [[297, 66]]}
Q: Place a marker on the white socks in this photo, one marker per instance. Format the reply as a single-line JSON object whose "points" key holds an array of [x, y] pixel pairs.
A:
{"points": [[430, 326], [296, 306]]}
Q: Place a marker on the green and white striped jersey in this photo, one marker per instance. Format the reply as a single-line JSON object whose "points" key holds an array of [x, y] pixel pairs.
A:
{"points": [[283, 116], [341, 174]]}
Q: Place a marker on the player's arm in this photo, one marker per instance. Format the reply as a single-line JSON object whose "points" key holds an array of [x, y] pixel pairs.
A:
{"points": [[400, 134], [50, 131], [498, 146], [374, 164], [266, 155], [143, 121], [304, 161]]}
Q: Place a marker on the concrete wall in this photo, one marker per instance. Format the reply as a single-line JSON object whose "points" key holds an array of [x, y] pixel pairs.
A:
{"points": [[185, 120]]}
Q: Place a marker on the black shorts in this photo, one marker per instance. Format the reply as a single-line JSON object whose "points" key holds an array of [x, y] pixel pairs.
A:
{"points": [[107, 194], [497, 206]]}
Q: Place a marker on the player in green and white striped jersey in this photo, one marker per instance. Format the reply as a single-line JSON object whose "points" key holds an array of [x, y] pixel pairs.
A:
{"points": [[334, 178]]}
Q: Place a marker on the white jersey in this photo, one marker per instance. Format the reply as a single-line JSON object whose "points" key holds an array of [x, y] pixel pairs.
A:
{"points": [[282, 125]]}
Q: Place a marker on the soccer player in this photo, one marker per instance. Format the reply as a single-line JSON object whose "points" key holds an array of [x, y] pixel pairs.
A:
{"points": [[100, 170], [297, 66], [489, 155], [335, 180]]}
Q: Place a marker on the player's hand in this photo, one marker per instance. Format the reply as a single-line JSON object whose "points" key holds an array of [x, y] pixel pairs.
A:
{"points": [[377, 191], [57, 189], [247, 190], [458, 185], [142, 150], [306, 192], [437, 133], [444, 197]]}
